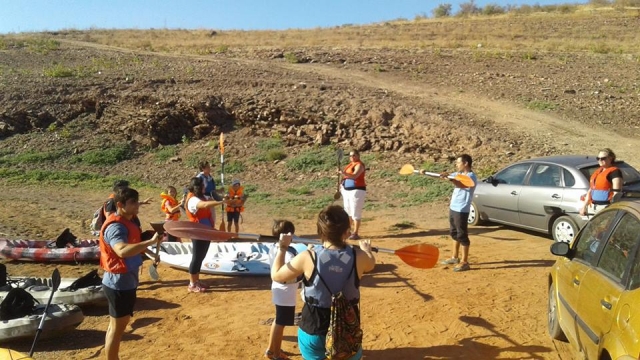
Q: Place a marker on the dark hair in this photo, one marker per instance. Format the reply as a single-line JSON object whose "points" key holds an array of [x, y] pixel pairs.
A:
{"points": [[354, 152], [169, 188], [610, 154], [332, 223], [466, 158], [125, 194], [203, 164], [120, 184], [196, 186], [282, 227]]}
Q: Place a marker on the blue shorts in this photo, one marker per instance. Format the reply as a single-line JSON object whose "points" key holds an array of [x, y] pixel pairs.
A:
{"points": [[312, 347]]}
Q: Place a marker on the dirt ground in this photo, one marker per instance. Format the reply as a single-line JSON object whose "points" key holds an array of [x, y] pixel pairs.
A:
{"points": [[495, 311]]}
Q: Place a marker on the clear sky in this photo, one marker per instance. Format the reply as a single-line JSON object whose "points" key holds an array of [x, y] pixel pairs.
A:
{"points": [[49, 15]]}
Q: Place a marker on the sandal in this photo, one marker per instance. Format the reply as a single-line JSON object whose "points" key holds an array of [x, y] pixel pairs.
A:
{"points": [[195, 288], [270, 355], [450, 261], [462, 267]]}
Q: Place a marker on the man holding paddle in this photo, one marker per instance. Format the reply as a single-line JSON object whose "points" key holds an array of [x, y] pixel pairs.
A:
{"points": [[459, 212], [121, 243]]}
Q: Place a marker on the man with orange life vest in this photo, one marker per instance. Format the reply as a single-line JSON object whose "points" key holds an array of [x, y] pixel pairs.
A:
{"points": [[605, 185], [120, 247], [199, 211], [354, 190], [235, 204]]}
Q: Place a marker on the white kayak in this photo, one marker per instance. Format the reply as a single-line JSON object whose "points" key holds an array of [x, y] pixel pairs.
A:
{"points": [[223, 258], [60, 319], [40, 289]]}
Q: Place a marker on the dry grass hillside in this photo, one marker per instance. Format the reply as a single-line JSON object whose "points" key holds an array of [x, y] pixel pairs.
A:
{"points": [[82, 108]]}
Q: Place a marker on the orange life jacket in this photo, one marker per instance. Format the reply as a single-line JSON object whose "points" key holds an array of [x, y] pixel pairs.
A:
{"points": [[171, 201], [200, 214], [109, 260], [235, 204], [601, 187], [357, 182]]}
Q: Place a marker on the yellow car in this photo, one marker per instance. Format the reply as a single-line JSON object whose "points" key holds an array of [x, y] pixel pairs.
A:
{"points": [[594, 288]]}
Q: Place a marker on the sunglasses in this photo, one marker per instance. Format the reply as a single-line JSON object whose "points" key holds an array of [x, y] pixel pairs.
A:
{"points": [[601, 158]]}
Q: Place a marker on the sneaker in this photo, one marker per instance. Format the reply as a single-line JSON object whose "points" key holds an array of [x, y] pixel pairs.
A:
{"points": [[195, 288], [450, 261], [462, 267], [354, 237], [270, 355]]}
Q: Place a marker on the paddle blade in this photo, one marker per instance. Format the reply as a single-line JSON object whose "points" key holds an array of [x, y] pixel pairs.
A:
{"points": [[191, 230], [223, 226], [55, 280], [406, 169], [421, 256], [465, 180], [340, 154], [153, 272], [337, 195]]}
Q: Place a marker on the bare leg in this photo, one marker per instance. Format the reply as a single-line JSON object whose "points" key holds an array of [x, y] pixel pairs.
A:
{"points": [[465, 254], [237, 226], [456, 250], [356, 227], [194, 278], [114, 336], [275, 338]]}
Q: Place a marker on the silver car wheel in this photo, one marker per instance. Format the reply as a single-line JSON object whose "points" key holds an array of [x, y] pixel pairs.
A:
{"points": [[564, 229], [472, 215]]}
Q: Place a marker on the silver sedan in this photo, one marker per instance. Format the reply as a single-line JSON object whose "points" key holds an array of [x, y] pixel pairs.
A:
{"points": [[542, 194]]}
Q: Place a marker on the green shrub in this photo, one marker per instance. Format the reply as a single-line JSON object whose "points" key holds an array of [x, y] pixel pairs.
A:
{"points": [[291, 58], [541, 105], [42, 46], [270, 144], [221, 49], [105, 157], [165, 153], [33, 157], [316, 159], [59, 71], [233, 167]]}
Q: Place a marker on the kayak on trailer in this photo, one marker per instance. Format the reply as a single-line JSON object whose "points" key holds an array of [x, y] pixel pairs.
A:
{"points": [[60, 319], [223, 258], [71, 291], [46, 251]]}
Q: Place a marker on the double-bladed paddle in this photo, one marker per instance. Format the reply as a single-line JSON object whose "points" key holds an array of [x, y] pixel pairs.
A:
{"points": [[153, 269], [422, 256], [337, 195], [465, 180], [55, 284]]}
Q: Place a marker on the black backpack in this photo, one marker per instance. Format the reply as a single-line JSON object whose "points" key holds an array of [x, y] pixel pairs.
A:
{"points": [[90, 279], [16, 304]]}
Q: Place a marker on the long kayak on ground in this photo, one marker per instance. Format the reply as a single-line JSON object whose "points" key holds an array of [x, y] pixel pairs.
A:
{"points": [[223, 258], [60, 319], [45, 251]]}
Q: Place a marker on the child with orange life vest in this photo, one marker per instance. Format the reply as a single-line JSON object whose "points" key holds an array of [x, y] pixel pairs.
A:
{"points": [[235, 205], [170, 207]]}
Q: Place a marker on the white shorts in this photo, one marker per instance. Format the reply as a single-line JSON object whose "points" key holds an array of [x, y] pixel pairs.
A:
{"points": [[353, 202]]}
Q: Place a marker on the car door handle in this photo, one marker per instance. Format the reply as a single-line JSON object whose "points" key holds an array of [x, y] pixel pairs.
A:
{"points": [[576, 281], [606, 304], [555, 196], [514, 193]]}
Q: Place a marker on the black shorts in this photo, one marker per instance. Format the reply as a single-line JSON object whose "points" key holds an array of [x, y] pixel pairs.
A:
{"points": [[121, 302], [233, 216], [285, 315]]}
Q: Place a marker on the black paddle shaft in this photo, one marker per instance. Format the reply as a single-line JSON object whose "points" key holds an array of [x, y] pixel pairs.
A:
{"points": [[55, 284]]}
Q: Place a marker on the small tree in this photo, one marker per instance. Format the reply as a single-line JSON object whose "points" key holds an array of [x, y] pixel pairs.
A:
{"points": [[468, 8], [443, 10], [493, 9]]}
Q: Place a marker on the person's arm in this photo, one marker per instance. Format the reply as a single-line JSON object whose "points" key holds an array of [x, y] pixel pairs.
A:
{"points": [[146, 201], [281, 272], [116, 235], [583, 209], [364, 257], [173, 209], [357, 170], [202, 204], [616, 188]]}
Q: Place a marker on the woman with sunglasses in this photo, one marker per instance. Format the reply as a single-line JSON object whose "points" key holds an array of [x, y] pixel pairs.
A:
{"points": [[605, 185]]}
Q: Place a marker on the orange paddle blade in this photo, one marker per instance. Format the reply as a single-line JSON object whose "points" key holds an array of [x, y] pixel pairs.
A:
{"points": [[465, 180], [407, 169], [421, 256], [221, 143], [191, 230]]}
